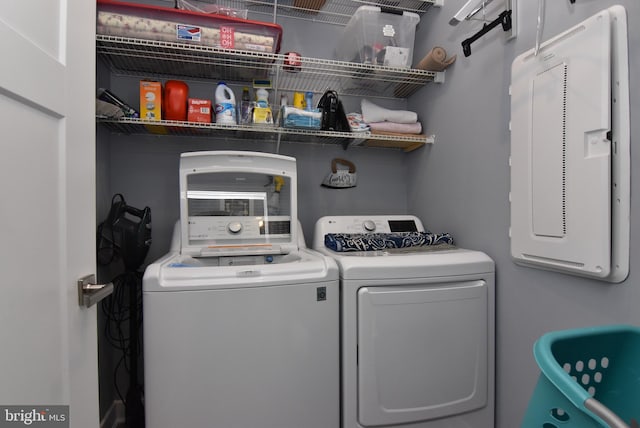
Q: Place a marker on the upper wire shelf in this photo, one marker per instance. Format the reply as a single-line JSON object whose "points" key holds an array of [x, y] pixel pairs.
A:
{"points": [[170, 59], [336, 12]]}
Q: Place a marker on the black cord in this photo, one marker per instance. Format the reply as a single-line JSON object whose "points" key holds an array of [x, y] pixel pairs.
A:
{"points": [[123, 309], [106, 238], [116, 309]]}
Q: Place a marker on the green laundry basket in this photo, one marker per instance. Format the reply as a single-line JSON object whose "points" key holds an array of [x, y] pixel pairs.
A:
{"points": [[590, 377]]}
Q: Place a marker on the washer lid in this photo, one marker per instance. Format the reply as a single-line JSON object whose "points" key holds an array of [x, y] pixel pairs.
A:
{"points": [[237, 203], [176, 272]]}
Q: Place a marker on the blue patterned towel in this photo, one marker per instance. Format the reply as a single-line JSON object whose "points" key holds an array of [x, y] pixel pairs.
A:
{"points": [[382, 241]]}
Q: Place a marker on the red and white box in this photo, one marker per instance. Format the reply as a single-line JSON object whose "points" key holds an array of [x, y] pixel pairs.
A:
{"points": [[199, 110]]}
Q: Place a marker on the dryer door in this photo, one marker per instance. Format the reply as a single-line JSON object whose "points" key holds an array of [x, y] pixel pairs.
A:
{"points": [[423, 351]]}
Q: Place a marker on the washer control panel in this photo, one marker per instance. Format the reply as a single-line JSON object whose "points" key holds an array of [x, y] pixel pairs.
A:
{"points": [[238, 228]]}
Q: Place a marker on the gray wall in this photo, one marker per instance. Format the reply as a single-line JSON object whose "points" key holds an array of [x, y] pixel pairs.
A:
{"points": [[461, 185]]}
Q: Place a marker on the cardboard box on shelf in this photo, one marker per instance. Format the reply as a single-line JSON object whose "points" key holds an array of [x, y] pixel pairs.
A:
{"points": [[150, 100], [199, 110]]}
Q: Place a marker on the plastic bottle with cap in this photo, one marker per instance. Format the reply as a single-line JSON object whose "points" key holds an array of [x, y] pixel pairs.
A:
{"points": [[225, 105], [308, 101], [262, 97], [245, 106]]}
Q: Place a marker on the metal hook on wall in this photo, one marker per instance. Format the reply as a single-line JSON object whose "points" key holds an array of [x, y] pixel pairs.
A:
{"points": [[470, 8], [483, 8]]}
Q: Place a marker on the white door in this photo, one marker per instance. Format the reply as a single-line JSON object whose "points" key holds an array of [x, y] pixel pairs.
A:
{"points": [[442, 370], [48, 344]]}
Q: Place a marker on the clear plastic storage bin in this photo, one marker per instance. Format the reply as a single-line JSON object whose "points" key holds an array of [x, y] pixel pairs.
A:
{"points": [[376, 37], [590, 378]]}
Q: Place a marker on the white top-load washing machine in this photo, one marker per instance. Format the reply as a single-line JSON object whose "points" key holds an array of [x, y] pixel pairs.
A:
{"points": [[417, 325], [241, 320]]}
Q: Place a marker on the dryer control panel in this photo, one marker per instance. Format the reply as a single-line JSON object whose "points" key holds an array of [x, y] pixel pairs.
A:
{"points": [[368, 224]]}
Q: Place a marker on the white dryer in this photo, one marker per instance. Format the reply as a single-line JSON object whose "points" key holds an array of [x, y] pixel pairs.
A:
{"points": [[417, 327], [241, 320]]}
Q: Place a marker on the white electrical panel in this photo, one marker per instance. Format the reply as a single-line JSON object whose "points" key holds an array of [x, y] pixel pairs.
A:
{"points": [[570, 151]]}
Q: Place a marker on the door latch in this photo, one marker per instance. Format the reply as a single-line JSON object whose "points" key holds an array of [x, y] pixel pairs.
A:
{"points": [[90, 293]]}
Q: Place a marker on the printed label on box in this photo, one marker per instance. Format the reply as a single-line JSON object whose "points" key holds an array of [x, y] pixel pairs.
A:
{"points": [[199, 110], [388, 30], [227, 37], [188, 32]]}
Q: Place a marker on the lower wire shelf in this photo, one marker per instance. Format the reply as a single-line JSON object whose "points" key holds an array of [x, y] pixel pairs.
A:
{"points": [[132, 126]]}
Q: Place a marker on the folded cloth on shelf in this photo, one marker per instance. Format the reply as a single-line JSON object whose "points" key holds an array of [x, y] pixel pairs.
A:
{"points": [[341, 242], [396, 128], [374, 113], [436, 60], [356, 123]]}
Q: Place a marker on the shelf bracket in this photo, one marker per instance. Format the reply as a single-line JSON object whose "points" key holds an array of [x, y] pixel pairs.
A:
{"points": [[278, 143]]}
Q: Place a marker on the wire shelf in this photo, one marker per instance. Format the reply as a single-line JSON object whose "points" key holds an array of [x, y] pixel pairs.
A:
{"points": [[161, 59], [131, 126], [336, 12], [169, 59]]}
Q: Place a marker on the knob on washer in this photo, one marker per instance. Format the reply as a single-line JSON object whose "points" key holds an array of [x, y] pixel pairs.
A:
{"points": [[234, 227], [369, 225]]}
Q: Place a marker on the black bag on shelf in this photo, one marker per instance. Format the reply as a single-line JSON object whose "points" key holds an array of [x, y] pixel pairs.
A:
{"points": [[333, 116]]}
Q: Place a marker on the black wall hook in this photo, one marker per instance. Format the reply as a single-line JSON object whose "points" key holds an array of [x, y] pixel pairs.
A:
{"points": [[504, 19]]}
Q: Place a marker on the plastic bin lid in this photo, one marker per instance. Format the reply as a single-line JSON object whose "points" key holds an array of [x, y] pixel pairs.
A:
{"points": [[376, 9]]}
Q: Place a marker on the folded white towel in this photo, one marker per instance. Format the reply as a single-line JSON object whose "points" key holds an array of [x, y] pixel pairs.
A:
{"points": [[374, 113]]}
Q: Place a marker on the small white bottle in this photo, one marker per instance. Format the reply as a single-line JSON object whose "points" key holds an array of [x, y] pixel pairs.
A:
{"points": [[262, 97], [225, 105]]}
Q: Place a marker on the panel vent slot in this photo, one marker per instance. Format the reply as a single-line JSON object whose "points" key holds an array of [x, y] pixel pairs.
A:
{"points": [[564, 153]]}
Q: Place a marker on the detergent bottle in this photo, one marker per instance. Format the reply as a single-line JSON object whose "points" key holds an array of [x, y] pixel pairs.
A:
{"points": [[245, 106], [225, 105]]}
